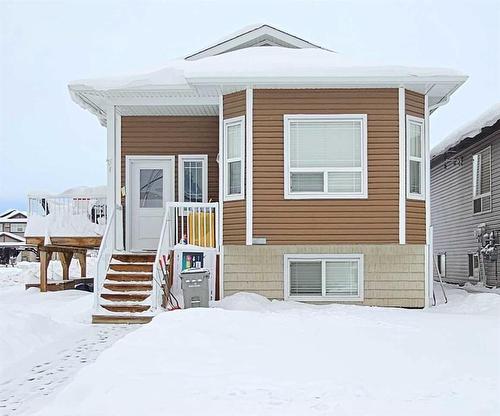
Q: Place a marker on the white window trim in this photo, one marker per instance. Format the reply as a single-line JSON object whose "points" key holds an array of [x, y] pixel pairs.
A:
{"points": [[288, 258], [227, 123], [423, 163], [474, 197], [180, 175], [287, 118]]}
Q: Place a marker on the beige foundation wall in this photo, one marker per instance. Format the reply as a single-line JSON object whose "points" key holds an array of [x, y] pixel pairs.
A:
{"points": [[393, 274]]}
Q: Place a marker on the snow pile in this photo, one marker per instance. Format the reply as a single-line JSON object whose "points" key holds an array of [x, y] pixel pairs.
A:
{"points": [[29, 272], [293, 359], [30, 320], [77, 192], [259, 62], [63, 224], [470, 129]]}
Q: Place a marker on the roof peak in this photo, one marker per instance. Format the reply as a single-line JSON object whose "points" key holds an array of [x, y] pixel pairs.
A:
{"points": [[259, 34]]}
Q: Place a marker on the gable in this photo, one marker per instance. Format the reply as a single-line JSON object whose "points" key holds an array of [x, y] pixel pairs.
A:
{"points": [[6, 237], [252, 36], [13, 214]]}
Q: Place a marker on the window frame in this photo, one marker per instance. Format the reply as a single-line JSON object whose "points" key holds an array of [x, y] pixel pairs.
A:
{"points": [[22, 224], [228, 123], [288, 194], [481, 196], [441, 264], [323, 258], [180, 175], [423, 164]]}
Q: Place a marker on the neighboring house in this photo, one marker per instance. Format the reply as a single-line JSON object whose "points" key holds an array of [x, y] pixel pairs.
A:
{"points": [[12, 228], [465, 195], [317, 166]]}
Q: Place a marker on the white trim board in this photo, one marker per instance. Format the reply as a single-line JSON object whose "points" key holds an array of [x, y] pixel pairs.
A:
{"points": [[249, 166], [402, 165]]}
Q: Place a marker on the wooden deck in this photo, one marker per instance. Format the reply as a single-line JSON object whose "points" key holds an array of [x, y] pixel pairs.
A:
{"points": [[55, 286], [68, 247]]}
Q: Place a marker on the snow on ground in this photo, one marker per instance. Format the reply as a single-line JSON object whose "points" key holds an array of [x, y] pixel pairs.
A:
{"points": [[250, 356], [45, 338], [29, 272]]}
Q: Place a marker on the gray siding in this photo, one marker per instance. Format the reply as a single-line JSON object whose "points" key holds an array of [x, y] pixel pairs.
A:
{"points": [[451, 209]]}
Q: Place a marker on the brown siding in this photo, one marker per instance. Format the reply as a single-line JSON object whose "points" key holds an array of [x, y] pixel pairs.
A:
{"points": [[234, 219], [372, 220], [414, 104], [173, 135], [415, 210]]}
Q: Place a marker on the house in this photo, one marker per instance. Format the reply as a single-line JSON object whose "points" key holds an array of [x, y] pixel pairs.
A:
{"points": [[465, 194], [313, 169], [12, 228]]}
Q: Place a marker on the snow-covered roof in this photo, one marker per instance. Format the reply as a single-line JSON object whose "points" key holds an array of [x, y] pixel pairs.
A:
{"points": [[259, 67], [15, 237], [252, 35], [467, 130], [8, 216]]}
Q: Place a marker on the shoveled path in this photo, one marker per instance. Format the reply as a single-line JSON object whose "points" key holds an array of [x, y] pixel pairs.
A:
{"points": [[27, 387]]}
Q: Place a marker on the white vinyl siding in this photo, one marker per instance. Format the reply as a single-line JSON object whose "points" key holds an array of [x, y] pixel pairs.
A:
{"points": [[312, 277], [481, 181], [325, 156], [415, 163], [193, 178], [234, 162]]}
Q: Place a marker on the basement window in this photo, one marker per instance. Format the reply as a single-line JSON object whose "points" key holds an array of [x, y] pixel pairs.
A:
{"points": [[324, 277], [325, 156], [481, 181], [415, 165], [234, 163]]}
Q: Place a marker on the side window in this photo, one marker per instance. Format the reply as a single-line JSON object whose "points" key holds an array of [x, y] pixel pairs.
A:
{"points": [[415, 159], [234, 163], [481, 181], [441, 264], [193, 178]]}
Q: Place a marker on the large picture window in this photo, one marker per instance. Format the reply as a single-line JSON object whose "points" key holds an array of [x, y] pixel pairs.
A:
{"points": [[311, 277], [481, 181], [193, 178], [234, 162], [415, 150], [325, 156]]}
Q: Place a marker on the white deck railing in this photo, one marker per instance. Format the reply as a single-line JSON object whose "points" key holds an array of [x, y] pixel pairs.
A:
{"points": [[66, 215], [104, 257], [194, 223]]}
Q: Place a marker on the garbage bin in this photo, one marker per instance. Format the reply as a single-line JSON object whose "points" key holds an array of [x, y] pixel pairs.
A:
{"points": [[194, 284]]}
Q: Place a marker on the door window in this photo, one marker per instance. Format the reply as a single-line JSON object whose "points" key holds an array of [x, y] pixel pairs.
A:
{"points": [[151, 188]]}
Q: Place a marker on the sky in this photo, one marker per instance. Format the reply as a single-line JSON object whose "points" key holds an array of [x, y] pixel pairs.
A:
{"points": [[49, 143]]}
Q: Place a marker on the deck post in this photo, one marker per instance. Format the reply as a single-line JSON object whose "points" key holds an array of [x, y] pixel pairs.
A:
{"points": [[44, 264], [66, 257], [82, 259]]}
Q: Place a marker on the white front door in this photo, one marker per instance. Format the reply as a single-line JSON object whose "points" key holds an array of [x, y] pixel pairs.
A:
{"points": [[150, 184]]}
